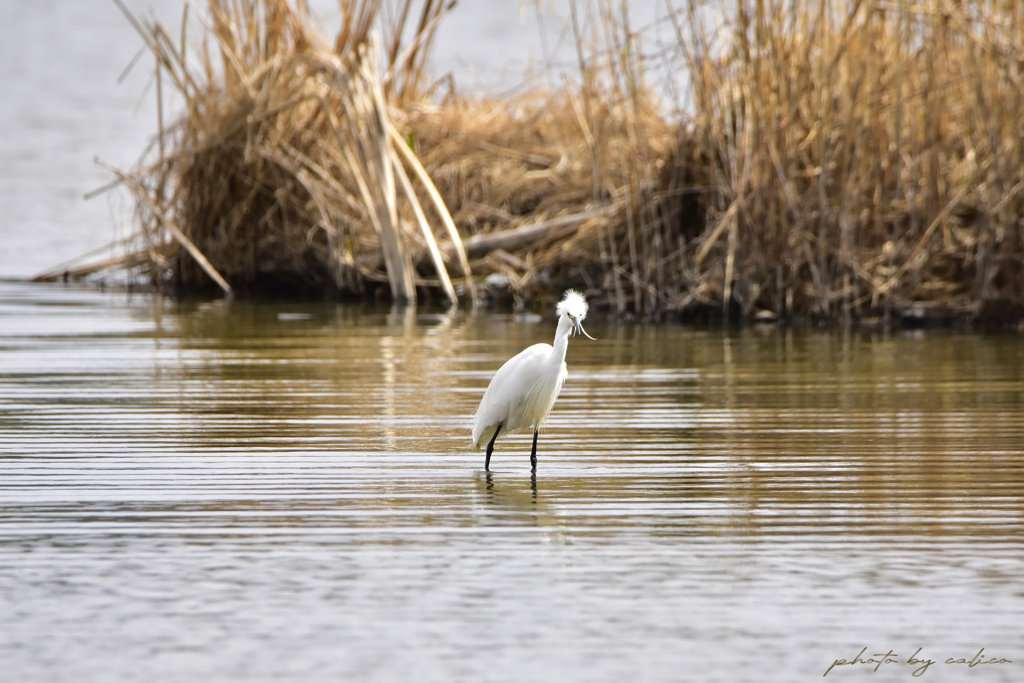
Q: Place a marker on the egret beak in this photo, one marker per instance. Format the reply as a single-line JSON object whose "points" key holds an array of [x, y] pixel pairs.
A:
{"points": [[578, 329]]}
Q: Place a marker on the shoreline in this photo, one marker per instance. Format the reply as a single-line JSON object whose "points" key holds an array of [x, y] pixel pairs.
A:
{"points": [[502, 302]]}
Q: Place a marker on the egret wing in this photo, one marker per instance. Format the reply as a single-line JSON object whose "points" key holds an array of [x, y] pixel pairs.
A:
{"points": [[511, 387]]}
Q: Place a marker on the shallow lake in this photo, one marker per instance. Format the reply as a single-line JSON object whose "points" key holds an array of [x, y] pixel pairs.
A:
{"points": [[278, 491]]}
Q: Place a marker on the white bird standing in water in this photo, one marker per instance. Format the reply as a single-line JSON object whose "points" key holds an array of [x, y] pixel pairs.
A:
{"points": [[524, 389]]}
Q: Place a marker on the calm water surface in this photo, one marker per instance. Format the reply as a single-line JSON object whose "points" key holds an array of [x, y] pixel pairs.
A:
{"points": [[264, 492]]}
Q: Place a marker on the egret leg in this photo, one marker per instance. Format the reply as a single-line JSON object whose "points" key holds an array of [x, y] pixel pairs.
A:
{"points": [[490, 447], [533, 453]]}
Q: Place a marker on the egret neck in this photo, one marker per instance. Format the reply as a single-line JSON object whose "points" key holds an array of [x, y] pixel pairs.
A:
{"points": [[562, 334]]}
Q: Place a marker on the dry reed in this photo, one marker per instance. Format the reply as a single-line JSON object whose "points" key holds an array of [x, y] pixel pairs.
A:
{"points": [[282, 175], [843, 162], [863, 160]]}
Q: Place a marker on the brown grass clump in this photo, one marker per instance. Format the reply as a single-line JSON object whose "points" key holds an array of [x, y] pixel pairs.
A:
{"points": [[863, 160], [285, 171], [520, 181]]}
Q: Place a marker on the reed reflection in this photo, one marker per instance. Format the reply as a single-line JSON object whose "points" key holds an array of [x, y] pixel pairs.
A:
{"points": [[757, 433]]}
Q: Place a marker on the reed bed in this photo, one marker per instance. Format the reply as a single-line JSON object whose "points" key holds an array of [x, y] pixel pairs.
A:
{"points": [[863, 160], [841, 161]]}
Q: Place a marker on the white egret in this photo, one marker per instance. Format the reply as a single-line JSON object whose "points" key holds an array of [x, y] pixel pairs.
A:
{"points": [[524, 389]]}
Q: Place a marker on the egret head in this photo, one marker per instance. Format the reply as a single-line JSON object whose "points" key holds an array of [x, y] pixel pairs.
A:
{"points": [[573, 306]]}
